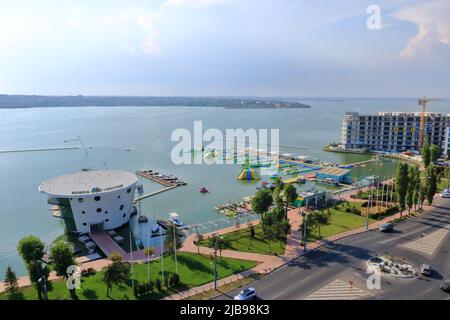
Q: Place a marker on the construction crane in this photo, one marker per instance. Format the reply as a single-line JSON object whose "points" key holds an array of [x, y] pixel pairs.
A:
{"points": [[423, 102]]}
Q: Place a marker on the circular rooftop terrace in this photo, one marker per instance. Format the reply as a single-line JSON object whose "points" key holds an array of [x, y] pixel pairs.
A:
{"points": [[88, 182]]}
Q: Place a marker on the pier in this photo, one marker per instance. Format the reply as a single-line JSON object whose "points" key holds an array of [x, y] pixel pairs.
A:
{"points": [[359, 163], [167, 181], [154, 193]]}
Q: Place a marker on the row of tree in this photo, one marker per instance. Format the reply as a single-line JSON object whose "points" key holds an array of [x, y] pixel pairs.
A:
{"points": [[412, 190]]}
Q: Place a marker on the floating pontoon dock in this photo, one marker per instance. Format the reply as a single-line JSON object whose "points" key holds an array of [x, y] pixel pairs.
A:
{"points": [[167, 181]]}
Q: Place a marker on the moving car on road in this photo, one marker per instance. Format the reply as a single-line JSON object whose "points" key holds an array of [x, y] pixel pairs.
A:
{"points": [[246, 294], [385, 227], [445, 286], [425, 269]]}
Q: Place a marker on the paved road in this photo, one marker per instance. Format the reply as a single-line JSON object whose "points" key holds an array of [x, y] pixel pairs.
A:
{"points": [[325, 273]]}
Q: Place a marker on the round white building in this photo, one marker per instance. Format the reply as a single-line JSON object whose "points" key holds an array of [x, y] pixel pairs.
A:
{"points": [[92, 200]]}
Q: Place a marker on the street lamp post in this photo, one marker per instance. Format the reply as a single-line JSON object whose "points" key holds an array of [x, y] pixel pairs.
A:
{"points": [[304, 231], [215, 261]]}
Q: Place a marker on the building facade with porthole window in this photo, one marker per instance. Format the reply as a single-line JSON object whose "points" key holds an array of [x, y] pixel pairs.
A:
{"points": [[92, 200]]}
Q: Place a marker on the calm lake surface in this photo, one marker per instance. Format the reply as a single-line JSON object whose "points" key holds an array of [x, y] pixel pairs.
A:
{"points": [[110, 131]]}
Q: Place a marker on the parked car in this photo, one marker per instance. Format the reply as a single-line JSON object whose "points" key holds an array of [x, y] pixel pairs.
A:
{"points": [[425, 269], [446, 193], [246, 294], [385, 227], [445, 286]]}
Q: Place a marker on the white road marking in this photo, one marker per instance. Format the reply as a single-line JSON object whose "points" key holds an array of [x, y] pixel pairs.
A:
{"points": [[337, 290], [428, 243]]}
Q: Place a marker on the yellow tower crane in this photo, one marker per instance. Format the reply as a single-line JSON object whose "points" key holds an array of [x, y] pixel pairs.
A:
{"points": [[423, 102]]}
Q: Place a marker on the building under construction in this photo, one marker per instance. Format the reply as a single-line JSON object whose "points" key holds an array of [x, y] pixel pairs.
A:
{"points": [[393, 131]]}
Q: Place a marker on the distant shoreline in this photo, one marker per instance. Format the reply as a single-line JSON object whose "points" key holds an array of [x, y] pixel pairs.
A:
{"points": [[32, 101]]}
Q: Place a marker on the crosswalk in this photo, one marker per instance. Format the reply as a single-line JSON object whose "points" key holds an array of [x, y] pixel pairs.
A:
{"points": [[337, 290], [428, 243]]}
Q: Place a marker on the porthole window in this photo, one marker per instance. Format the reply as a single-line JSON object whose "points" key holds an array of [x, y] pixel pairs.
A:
{"points": [[84, 224], [106, 212], [97, 198], [124, 215], [99, 210], [83, 212], [106, 220], [118, 197], [80, 199], [121, 207], [128, 190]]}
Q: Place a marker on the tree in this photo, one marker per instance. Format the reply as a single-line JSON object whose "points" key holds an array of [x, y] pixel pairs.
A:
{"points": [[31, 249], [62, 259], [426, 153], [261, 201], [431, 183], [277, 199], [169, 241], [435, 153], [12, 287], [116, 273], [218, 243], [275, 226], [412, 188], [199, 238], [401, 185], [290, 195], [317, 219]]}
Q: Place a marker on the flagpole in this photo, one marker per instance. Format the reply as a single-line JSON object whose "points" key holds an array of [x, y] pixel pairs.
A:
{"points": [[148, 258], [175, 247], [131, 256], [162, 254]]}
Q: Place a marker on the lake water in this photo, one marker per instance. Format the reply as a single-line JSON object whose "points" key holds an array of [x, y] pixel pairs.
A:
{"points": [[108, 132]]}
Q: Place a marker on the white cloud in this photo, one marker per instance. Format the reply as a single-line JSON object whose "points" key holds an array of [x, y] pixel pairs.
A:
{"points": [[431, 18]]}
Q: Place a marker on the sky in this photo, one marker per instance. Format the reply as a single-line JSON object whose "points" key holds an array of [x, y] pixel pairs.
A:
{"points": [[289, 48]]}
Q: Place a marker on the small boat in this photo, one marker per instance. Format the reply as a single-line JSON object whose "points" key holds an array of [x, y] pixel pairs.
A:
{"points": [[176, 219], [155, 228], [142, 219], [203, 190]]}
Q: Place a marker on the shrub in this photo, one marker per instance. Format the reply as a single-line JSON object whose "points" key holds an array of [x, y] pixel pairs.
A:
{"points": [[150, 286], [136, 290], [158, 284], [174, 280], [167, 280]]}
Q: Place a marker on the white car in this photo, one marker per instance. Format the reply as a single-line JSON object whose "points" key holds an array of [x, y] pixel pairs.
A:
{"points": [[446, 193], [246, 294]]}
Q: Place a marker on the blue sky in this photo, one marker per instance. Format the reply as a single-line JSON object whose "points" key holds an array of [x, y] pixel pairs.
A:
{"points": [[224, 47]]}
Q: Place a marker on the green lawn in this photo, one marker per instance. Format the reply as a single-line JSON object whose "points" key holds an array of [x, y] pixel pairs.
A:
{"points": [[340, 221], [194, 270], [240, 241]]}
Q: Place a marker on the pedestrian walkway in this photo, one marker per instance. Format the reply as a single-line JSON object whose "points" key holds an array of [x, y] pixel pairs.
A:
{"points": [[428, 244], [338, 290], [106, 243]]}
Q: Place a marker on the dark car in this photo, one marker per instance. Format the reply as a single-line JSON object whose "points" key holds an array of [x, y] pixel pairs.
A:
{"points": [[386, 227], [445, 286]]}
